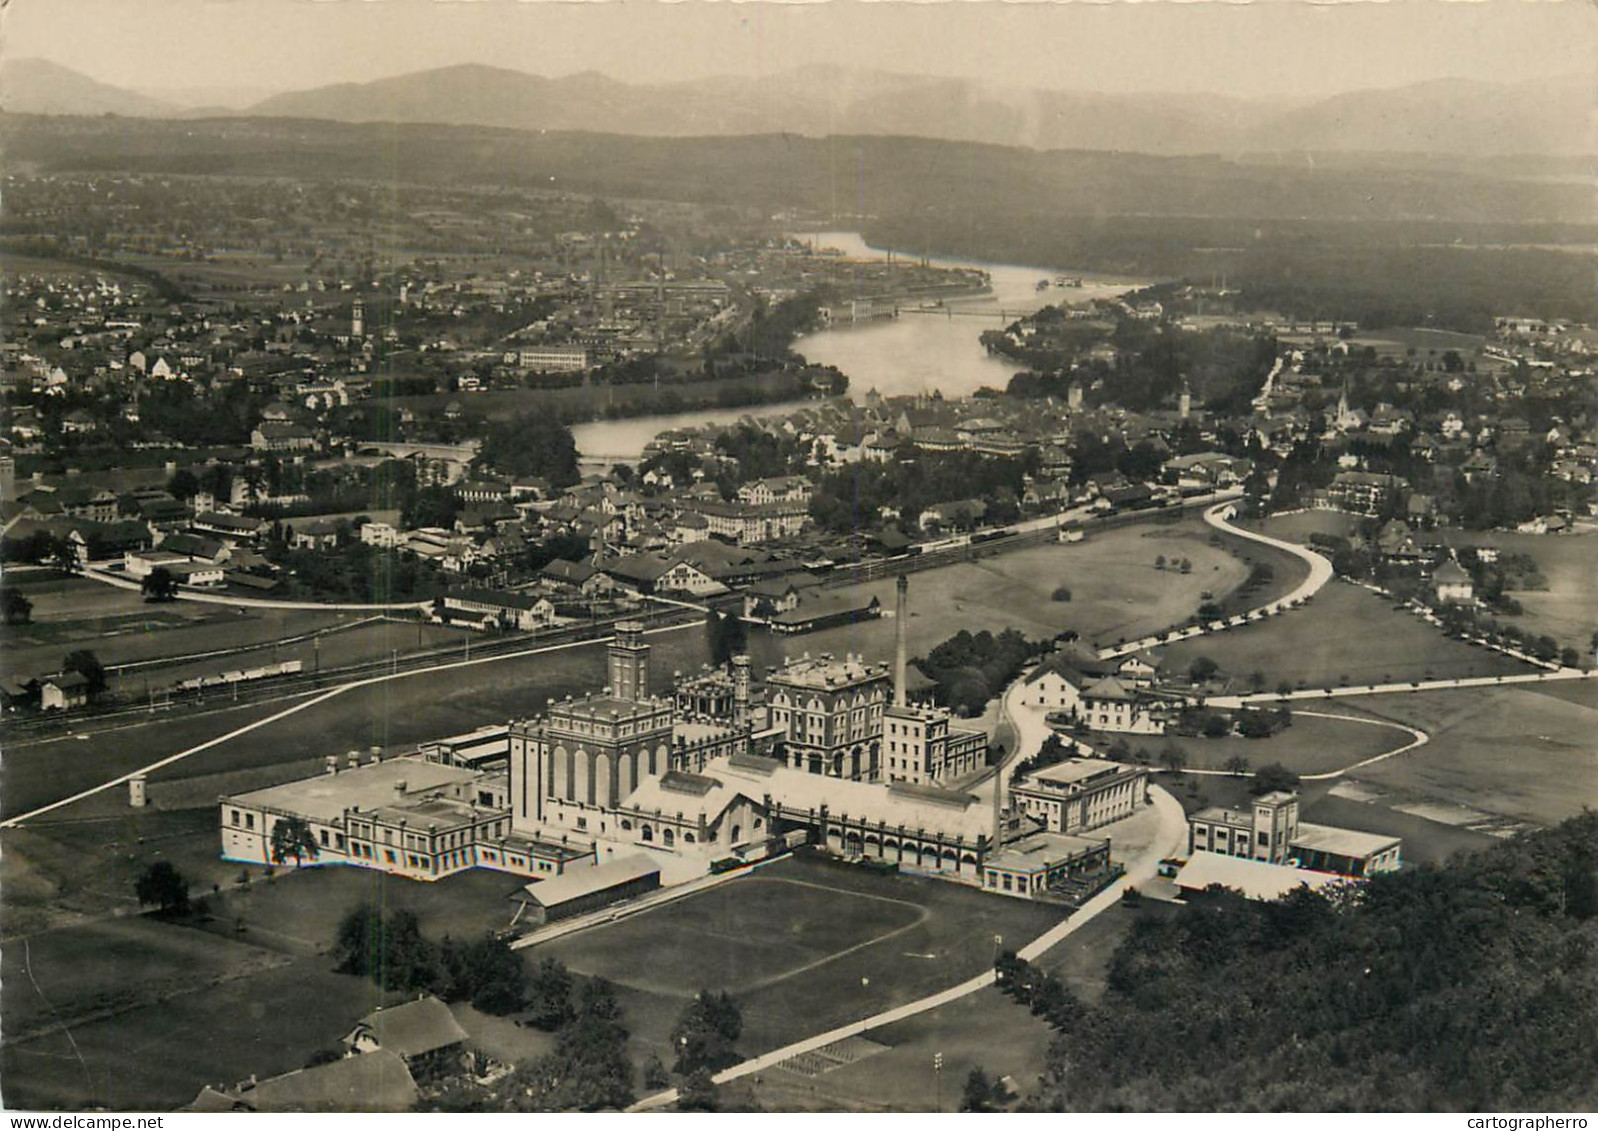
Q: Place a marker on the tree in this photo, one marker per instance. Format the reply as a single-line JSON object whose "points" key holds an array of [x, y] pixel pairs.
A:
{"points": [[88, 665], [549, 995], [15, 604], [1202, 670], [159, 585], [183, 485], [704, 1035], [1256, 680], [1273, 778], [163, 885], [981, 1093], [698, 1092], [1237, 764], [1159, 563], [1173, 758], [292, 836]]}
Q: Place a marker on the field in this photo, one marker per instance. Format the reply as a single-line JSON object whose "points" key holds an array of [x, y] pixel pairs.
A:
{"points": [[1509, 752], [1115, 591], [240, 1009], [1567, 609], [809, 948], [393, 714], [1298, 527], [1345, 635], [1311, 745]]}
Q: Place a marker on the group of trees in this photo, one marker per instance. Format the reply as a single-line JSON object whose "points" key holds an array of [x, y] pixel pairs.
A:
{"points": [[971, 669], [588, 1069], [392, 951], [1463, 987], [726, 636], [15, 605], [852, 498], [531, 445]]}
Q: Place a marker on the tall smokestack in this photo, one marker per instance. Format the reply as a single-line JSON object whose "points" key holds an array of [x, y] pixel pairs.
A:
{"points": [[901, 613]]}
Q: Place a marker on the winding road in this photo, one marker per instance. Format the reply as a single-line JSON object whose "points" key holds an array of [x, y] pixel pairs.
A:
{"points": [[1219, 516]]}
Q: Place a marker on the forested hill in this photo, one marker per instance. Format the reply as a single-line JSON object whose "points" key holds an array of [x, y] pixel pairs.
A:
{"points": [[859, 176], [1470, 987]]}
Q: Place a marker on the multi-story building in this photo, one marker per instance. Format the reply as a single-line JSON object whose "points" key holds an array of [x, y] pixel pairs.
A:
{"points": [[1270, 831], [829, 714], [1080, 793], [553, 359], [921, 746]]}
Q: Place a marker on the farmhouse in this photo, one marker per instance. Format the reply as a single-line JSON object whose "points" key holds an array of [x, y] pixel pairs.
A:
{"points": [[423, 1033], [1109, 705], [1453, 585]]}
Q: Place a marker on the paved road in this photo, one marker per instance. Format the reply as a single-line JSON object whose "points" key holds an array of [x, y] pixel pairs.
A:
{"points": [[1265, 697], [1171, 836], [1218, 516]]}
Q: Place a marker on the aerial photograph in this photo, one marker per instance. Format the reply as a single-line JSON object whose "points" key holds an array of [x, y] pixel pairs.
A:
{"points": [[831, 557]]}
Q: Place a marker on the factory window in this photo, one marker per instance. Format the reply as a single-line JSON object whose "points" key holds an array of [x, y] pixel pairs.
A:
{"points": [[388, 854], [249, 820]]}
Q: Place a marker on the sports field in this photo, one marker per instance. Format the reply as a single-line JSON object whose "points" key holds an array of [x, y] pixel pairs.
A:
{"points": [[1344, 635], [802, 946]]}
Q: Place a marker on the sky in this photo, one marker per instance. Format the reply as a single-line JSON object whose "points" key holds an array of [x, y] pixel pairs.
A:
{"points": [[1262, 48]]}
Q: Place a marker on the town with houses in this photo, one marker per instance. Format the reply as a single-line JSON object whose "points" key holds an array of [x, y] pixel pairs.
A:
{"points": [[531, 663]]}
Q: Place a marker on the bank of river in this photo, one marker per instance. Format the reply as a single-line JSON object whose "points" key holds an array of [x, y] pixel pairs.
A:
{"points": [[913, 353]]}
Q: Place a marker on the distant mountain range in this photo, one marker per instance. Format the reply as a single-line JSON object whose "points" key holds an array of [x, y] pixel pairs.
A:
{"points": [[1551, 117]]}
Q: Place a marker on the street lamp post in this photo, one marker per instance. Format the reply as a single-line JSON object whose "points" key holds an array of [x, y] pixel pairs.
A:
{"points": [[937, 1081]]}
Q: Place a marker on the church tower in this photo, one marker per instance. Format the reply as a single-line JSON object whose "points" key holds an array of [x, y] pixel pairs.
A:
{"points": [[629, 663], [1185, 402], [358, 320]]}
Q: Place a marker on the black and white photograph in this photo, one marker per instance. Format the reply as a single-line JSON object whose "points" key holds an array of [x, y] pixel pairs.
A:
{"points": [[818, 557]]}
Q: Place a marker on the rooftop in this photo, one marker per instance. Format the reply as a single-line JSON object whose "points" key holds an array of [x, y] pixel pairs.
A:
{"points": [[374, 1081], [1253, 878], [826, 671], [413, 1028], [580, 880], [326, 796], [1342, 842], [1035, 852], [1075, 772]]}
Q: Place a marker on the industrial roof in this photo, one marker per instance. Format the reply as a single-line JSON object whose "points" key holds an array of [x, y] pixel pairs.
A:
{"points": [[578, 881], [1342, 842], [326, 796], [1255, 879]]}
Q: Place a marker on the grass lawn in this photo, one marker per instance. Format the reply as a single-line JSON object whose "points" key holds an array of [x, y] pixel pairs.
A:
{"points": [[1515, 752], [1567, 609], [393, 714], [1344, 635], [1298, 527], [985, 1029], [1311, 745], [1116, 591], [158, 1055], [830, 927]]}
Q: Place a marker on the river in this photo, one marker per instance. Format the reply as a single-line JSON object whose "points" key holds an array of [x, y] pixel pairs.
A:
{"points": [[913, 353]]}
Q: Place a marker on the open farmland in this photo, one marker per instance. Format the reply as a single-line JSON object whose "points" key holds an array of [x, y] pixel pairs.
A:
{"points": [[1567, 609], [1344, 635], [1116, 591], [1514, 752], [240, 1009], [1311, 745], [1299, 526]]}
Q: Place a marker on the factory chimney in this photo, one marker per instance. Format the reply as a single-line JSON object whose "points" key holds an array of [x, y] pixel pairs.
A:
{"points": [[901, 613], [740, 690]]}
